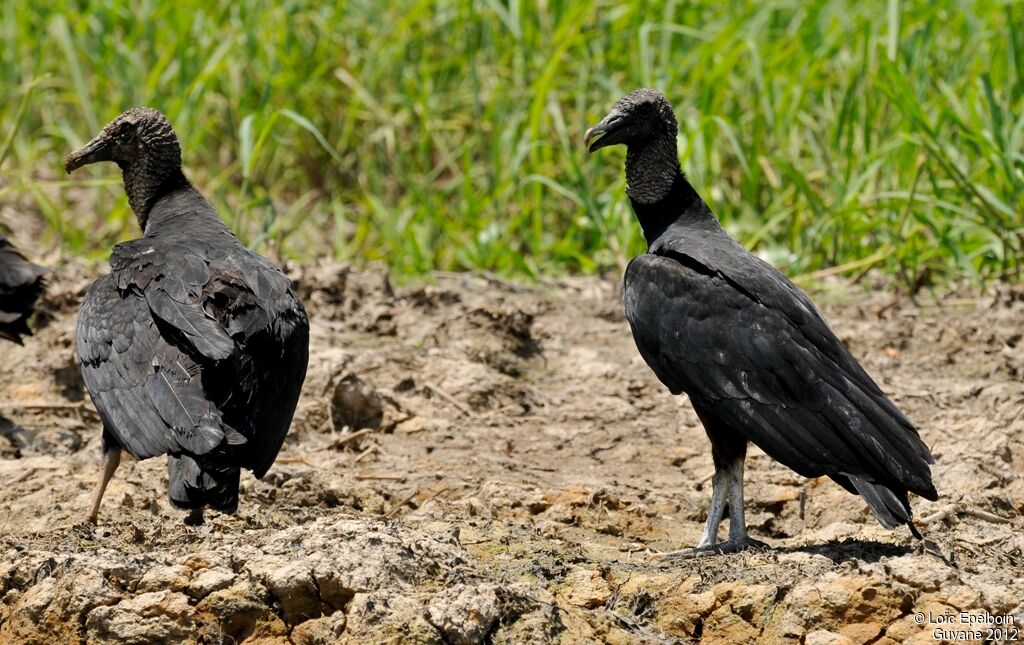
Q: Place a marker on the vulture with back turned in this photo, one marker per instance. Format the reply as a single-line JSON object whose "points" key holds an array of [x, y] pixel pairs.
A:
{"points": [[21, 283], [756, 358], [193, 346]]}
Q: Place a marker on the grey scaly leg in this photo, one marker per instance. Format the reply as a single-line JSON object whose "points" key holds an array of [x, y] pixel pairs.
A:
{"points": [[113, 460], [727, 482], [737, 520], [719, 487]]}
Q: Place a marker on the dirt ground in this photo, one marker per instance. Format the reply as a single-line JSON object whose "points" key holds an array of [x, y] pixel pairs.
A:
{"points": [[478, 461]]}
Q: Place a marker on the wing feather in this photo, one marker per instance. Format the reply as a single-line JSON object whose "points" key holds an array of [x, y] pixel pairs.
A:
{"points": [[111, 348]]}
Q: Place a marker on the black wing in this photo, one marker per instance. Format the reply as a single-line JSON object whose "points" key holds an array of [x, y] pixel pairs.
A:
{"points": [[749, 348], [172, 278], [21, 283], [254, 302], [148, 391]]}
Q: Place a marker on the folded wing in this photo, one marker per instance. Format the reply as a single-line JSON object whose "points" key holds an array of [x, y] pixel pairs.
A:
{"points": [[761, 358]]}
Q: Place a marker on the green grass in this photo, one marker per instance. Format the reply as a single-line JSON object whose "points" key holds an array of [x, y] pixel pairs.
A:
{"points": [[448, 134]]}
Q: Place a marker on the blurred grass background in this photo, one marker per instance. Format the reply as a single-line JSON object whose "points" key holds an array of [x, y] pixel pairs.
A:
{"points": [[829, 135]]}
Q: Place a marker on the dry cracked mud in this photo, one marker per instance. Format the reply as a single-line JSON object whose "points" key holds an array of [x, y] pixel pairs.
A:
{"points": [[479, 461]]}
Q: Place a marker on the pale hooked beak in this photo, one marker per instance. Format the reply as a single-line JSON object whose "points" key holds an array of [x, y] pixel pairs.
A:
{"points": [[603, 132], [96, 150]]}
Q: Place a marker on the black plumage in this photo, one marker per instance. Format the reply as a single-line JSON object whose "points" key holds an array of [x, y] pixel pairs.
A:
{"points": [[193, 346], [21, 284], [755, 356]]}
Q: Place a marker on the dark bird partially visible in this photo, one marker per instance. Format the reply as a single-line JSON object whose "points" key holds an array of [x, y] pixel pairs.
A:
{"points": [[193, 346], [21, 283], [757, 360]]}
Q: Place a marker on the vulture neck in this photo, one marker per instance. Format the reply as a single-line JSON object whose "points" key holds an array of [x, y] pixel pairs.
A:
{"points": [[679, 205], [148, 179], [651, 168], [184, 209]]}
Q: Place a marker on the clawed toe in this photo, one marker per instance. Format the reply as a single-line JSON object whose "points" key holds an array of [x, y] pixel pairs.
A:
{"points": [[86, 528], [734, 545]]}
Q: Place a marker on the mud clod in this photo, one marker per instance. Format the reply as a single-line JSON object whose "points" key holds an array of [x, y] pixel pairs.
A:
{"points": [[356, 405]]}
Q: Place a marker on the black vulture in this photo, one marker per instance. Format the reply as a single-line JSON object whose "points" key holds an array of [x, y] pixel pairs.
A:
{"points": [[193, 346], [756, 358], [21, 283]]}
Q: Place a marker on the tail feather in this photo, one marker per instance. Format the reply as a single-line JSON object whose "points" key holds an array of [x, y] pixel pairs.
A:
{"points": [[192, 484], [13, 331], [891, 508]]}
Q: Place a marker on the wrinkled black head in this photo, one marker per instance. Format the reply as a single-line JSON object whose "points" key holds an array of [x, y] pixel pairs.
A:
{"points": [[142, 142], [140, 135], [641, 116]]}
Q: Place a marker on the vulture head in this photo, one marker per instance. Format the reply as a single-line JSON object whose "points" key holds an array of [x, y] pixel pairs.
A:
{"points": [[140, 136], [142, 142], [642, 116]]}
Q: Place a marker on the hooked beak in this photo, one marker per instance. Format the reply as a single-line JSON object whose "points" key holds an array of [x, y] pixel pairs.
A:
{"points": [[603, 132], [96, 150]]}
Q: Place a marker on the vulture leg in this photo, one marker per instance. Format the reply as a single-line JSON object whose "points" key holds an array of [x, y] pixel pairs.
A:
{"points": [[738, 538], [719, 491], [737, 519], [726, 489], [112, 461], [195, 517]]}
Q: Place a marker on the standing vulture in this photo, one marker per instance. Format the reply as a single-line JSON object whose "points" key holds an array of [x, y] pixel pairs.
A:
{"points": [[21, 283], [193, 346], [756, 358]]}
